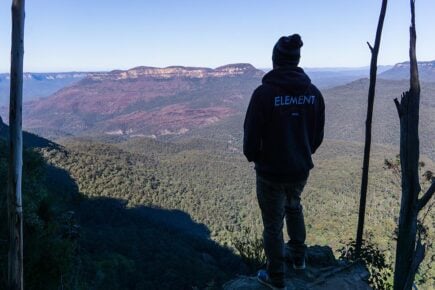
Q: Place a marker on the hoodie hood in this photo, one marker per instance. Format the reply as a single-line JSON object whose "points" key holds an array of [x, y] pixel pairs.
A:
{"points": [[291, 79]]}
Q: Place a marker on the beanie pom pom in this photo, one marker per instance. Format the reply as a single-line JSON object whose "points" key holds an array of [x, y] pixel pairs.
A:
{"points": [[295, 41], [286, 51]]}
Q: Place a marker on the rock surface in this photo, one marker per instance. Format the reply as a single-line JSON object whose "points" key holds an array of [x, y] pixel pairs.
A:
{"points": [[323, 272]]}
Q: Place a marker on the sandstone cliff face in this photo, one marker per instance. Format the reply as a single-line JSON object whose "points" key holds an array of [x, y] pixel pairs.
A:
{"points": [[323, 272], [401, 70], [231, 70], [145, 101]]}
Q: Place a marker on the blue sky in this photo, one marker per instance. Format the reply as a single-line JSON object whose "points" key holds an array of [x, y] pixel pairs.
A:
{"points": [[65, 35]]}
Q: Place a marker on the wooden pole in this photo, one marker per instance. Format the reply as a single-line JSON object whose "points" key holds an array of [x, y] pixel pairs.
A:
{"points": [[15, 209], [371, 96]]}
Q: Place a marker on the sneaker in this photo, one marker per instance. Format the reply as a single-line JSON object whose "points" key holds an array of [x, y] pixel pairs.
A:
{"points": [[297, 257], [299, 263], [264, 279]]}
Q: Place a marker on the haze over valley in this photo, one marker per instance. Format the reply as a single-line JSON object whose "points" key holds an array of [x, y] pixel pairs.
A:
{"points": [[178, 102]]}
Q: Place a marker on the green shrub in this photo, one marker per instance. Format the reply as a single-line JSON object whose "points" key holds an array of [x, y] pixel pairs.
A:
{"points": [[249, 246], [374, 259]]}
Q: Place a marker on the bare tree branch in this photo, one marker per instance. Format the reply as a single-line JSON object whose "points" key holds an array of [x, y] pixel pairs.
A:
{"points": [[420, 251], [370, 46], [426, 197]]}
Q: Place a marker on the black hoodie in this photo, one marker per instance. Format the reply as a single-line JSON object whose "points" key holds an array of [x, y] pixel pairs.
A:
{"points": [[284, 125]]}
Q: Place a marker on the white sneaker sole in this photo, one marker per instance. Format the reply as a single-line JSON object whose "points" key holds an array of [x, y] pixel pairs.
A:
{"points": [[299, 267]]}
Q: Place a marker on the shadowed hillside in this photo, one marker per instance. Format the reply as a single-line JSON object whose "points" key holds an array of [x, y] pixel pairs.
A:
{"points": [[76, 242], [30, 140]]}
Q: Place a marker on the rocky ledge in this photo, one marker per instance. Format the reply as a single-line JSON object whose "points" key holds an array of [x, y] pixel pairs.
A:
{"points": [[323, 271]]}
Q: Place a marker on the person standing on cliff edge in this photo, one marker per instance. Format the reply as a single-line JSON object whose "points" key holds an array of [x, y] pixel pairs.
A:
{"points": [[283, 127]]}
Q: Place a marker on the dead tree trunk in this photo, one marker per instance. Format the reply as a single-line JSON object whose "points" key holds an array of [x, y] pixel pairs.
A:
{"points": [[15, 210], [410, 251], [365, 175]]}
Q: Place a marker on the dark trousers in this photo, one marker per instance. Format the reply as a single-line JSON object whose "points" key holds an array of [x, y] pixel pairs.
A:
{"points": [[278, 200]]}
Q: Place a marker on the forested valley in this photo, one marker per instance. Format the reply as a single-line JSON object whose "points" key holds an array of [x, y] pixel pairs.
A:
{"points": [[78, 241], [114, 207]]}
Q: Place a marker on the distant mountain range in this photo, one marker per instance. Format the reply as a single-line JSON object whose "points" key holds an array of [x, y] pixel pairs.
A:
{"points": [[191, 101], [145, 101], [326, 78], [47, 76], [38, 85], [400, 71]]}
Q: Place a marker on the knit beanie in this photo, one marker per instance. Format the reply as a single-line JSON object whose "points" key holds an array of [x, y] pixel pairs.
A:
{"points": [[287, 51]]}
